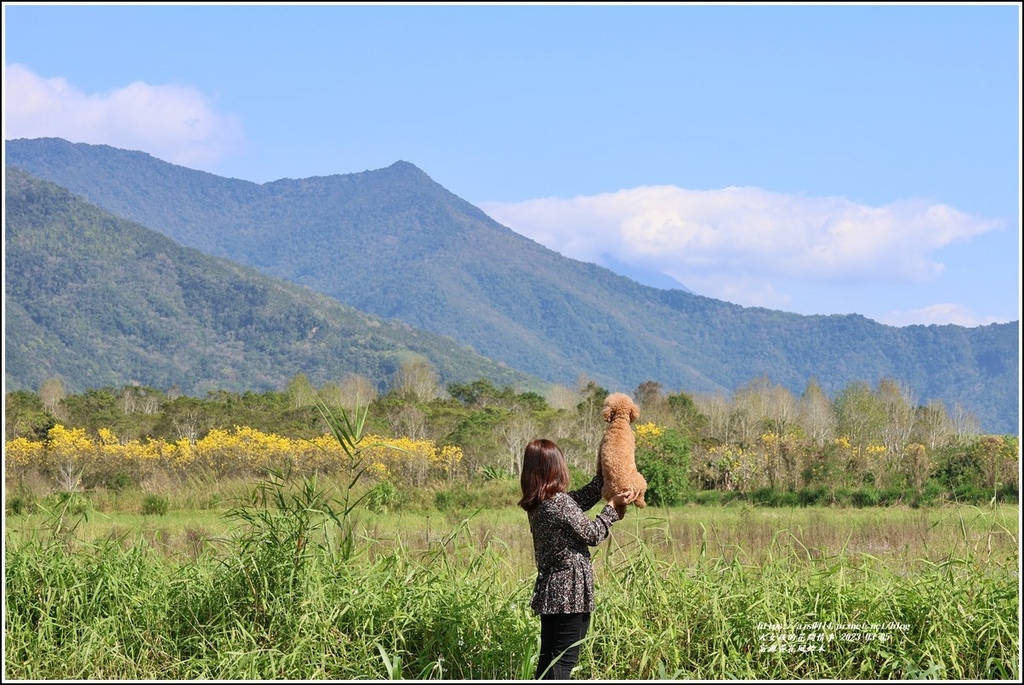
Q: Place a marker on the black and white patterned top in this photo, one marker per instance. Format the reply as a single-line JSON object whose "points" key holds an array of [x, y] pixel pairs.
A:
{"points": [[562, 533]]}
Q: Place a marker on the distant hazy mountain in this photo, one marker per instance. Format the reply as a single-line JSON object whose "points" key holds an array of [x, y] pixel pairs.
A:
{"points": [[98, 301], [655, 279], [394, 243]]}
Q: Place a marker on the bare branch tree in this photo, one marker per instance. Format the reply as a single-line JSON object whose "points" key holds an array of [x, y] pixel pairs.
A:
{"points": [[51, 392], [356, 391], [516, 431], [717, 410], [899, 404], [815, 414], [187, 426], [409, 420], [932, 424], [965, 424], [417, 378]]}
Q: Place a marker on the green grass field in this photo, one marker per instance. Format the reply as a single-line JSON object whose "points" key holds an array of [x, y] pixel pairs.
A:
{"points": [[304, 585]]}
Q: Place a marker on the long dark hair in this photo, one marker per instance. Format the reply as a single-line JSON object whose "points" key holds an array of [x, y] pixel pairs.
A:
{"points": [[544, 473]]}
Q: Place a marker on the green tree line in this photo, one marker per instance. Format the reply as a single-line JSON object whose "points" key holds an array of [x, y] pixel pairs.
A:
{"points": [[866, 445]]}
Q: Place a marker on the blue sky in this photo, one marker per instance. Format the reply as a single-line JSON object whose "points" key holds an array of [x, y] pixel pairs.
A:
{"points": [[817, 159]]}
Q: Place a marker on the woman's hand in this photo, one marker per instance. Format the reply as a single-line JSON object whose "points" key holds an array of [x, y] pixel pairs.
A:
{"points": [[622, 499]]}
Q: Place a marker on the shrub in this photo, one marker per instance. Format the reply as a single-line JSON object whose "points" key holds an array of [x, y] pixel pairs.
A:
{"points": [[807, 497], [20, 504], [763, 496], [663, 457], [69, 502], [454, 499], [789, 498], [490, 472], [932, 493], [383, 497], [731, 496], [716, 497], [119, 481], [708, 497], [842, 497], [894, 495], [959, 469], [865, 497], [578, 477], [155, 505]]}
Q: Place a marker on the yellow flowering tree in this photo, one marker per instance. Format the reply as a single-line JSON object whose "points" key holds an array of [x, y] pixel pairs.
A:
{"points": [[72, 459], [21, 455]]}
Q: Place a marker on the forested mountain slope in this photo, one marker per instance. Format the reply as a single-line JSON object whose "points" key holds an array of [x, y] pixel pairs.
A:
{"points": [[97, 300]]}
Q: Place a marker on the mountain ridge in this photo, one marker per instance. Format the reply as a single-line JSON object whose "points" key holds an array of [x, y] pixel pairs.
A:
{"points": [[394, 243], [122, 304]]}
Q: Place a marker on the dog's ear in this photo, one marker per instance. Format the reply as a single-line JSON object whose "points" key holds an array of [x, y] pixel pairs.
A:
{"points": [[634, 413], [607, 413]]}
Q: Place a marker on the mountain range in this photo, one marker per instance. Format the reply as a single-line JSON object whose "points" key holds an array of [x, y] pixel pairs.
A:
{"points": [[97, 300], [394, 245]]}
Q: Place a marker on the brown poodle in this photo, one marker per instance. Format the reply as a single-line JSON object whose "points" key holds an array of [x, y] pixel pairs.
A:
{"points": [[617, 454]]}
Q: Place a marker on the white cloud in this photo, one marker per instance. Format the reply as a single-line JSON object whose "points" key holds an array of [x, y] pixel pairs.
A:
{"points": [[173, 122], [738, 244]]}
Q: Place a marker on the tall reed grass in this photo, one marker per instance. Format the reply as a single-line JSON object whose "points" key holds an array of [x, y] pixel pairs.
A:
{"points": [[297, 591]]}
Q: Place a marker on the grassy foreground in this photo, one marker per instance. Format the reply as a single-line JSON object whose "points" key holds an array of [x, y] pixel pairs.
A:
{"points": [[306, 585]]}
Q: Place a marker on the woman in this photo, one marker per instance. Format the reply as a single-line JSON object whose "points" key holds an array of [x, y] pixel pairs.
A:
{"points": [[562, 533]]}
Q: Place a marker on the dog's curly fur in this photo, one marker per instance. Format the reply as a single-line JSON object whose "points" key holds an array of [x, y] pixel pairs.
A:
{"points": [[617, 453]]}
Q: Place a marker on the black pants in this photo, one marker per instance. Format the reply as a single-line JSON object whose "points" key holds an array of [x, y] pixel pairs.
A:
{"points": [[558, 633]]}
